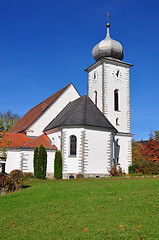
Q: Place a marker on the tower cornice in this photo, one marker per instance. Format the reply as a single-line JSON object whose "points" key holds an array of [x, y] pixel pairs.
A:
{"points": [[108, 60]]}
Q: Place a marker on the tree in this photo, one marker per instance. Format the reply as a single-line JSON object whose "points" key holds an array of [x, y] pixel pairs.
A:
{"points": [[4, 144], [8, 120], [40, 162], [136, 155], [145, 155], [58, 165], [149, 150], [36, 152]]}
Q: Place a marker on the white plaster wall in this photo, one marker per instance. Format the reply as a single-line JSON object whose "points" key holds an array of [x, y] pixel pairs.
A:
{"points": [[50, 161], [14, 160], [98, 148], [125, 152], [55, 138], [95, 86], [70, 163], [36, 129], [122, 86], [105, 86], [95, 151]]}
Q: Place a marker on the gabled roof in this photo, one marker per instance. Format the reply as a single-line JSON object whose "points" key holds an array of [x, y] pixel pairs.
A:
{"points": [[35, 112], [15, 139], [43, 139], [81, 112], [20, 140]]}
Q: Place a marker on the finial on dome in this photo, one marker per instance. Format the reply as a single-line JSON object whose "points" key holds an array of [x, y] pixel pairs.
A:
{"points": [[108, 47], [108, 24]]}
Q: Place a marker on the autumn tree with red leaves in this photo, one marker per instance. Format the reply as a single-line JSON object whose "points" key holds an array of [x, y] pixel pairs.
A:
{"points": [[145, 155]]}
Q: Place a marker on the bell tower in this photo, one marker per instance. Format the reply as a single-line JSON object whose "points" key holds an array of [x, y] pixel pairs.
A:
{"points": [[109, 89]]}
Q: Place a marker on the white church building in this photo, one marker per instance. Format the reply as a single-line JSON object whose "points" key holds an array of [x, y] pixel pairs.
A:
{"points": [[92, 132]]}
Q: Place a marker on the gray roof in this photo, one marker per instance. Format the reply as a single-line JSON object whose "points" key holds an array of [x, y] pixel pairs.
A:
{"points": [[81, 112]]}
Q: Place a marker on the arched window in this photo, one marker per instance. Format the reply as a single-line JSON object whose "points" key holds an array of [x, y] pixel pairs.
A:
{"points": [[116, 100], [73, 145], [95, 98]]}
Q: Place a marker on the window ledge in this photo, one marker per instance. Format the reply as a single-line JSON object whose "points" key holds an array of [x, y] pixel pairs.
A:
{"points": [[72, 156]]}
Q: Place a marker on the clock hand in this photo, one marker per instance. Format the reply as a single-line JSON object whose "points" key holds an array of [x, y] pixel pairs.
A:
{"points": [[117, 74]]}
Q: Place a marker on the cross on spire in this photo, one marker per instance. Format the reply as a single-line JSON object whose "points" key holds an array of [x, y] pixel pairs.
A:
{"points": [[108, 15]]}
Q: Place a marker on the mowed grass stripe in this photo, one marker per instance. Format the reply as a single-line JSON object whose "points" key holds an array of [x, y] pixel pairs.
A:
{"points": [[82, 209]]}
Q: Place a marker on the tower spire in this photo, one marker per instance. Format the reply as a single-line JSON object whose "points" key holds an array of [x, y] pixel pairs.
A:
{"points": [[108, 15], [108, 24]]}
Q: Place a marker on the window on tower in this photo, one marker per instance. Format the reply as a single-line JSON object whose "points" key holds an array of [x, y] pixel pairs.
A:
{"points": [[73, 145], [95, 98], [117, 121], [116, 100]]}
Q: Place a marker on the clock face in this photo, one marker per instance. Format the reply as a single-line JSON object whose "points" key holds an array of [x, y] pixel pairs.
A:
{"points": [[117, 75], [95, 77]]}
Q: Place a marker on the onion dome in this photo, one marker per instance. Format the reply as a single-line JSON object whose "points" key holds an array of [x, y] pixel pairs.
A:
{"points": [[108, 48]]}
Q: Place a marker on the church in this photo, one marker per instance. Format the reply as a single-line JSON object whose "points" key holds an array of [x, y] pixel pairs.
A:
{"points": [[92, 132]]}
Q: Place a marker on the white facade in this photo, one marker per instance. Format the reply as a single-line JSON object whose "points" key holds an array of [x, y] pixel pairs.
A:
{"points": [[94, 151], [104, 78], [22, 159]]}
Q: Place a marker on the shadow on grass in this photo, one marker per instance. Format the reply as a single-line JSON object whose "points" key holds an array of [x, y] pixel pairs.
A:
{"points": [[25, 186]]}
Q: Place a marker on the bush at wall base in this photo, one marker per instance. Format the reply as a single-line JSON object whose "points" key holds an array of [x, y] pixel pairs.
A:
{"points": [[58, 165]]}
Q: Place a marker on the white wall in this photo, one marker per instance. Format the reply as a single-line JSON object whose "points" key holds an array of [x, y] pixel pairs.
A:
{"points": [[125, 151], [99, 151], [36, 129], [105, 86], [124, 105], [94, 151], [96, 86], [70, 163], [14, 160], [55, 137]]}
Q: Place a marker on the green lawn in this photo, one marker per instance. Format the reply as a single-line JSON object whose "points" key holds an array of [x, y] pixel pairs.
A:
{"points": [[82, 209]]}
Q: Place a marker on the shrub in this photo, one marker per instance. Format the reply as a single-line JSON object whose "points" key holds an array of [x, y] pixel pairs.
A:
{"points": [[40, 162], [116, 170], [133, 168], [145, 167], [79, 175], [148, 167], [18, 177], [6, 183], [28, 175], [58, 165], [35, 160]]}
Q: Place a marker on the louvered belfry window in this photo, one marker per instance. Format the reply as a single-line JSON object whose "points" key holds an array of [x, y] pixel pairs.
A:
{"points": [[73, 145]]}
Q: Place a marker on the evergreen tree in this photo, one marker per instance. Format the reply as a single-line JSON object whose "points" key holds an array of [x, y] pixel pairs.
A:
{"points": [[58, 165], [36, 153], [40, 162]]}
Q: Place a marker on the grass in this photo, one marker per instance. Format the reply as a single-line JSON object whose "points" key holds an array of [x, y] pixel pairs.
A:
{"points": [[113, 209]]}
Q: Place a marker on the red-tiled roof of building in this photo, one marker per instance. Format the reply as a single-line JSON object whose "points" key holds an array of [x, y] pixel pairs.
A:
{"points": [[15, 139], [43, 139], [35, 112], [20, 140]]}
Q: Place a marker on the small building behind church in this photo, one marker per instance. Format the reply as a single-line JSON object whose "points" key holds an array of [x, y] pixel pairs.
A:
{"points": [[93, 132]]}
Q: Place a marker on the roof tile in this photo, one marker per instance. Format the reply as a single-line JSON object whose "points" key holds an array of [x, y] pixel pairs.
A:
{"points": [[20, 140]]}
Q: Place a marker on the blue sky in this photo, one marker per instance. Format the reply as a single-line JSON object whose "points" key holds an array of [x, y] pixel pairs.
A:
{"points": [[45, 44]]}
